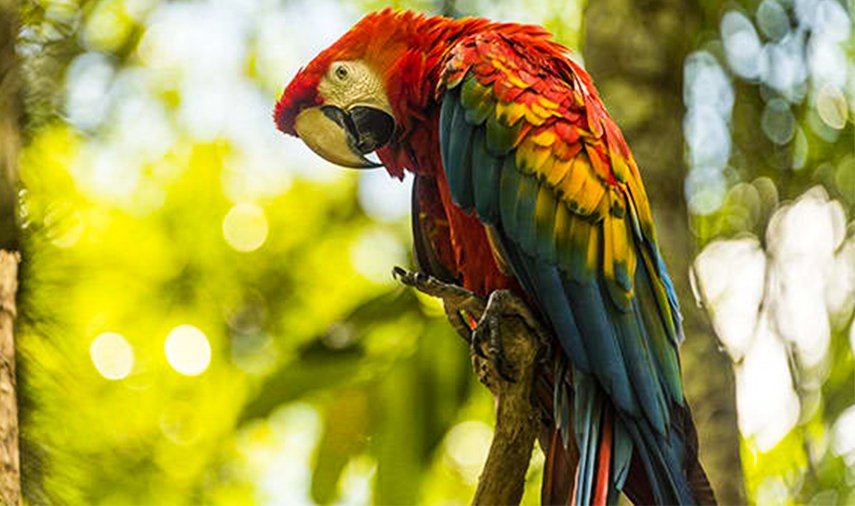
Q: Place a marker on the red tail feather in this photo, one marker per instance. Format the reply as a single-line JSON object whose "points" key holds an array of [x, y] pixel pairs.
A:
{"points": [[575, 487], [601, 488], [557, 471], [602, 479]]}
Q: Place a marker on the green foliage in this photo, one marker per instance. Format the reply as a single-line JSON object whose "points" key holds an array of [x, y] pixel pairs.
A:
{"points": [[326, 382], [142, 227]]}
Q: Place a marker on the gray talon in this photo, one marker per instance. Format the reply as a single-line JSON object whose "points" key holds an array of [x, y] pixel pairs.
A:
{"points": [[503, 303], [477, 342]]}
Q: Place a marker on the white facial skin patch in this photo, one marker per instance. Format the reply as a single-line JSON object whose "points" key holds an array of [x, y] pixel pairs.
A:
{"points": [[353, 83]]}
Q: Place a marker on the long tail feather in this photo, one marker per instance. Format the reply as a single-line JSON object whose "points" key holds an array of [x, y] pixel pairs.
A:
{"points": [[553, 396], [592, 425], [603, 481]]}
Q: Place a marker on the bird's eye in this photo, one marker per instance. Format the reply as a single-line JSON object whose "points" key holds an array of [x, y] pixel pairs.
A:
{"points": [[341, 72]]}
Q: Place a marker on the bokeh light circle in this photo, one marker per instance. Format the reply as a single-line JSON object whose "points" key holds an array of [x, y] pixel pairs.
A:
{"points": [[112, 355], [245, 227], [831, 106], [773, 20], [705, 189], [741, 44], [374, 251], [778, 122], [188, 350], [466, 446]]}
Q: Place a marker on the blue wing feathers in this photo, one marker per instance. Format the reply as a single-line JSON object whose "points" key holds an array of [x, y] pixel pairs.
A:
{"points": [[545, 283], [623, 447], [600, 342], [662, 347], [525, 223], [486, 171], [641, 368], [545, 224], [646, 458], [510, 183], [669, 460], [450, 104], [460, 156], [672, 294]]}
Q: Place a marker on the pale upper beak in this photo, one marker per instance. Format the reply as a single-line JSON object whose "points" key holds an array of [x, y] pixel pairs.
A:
{"points": [[345, 137]]}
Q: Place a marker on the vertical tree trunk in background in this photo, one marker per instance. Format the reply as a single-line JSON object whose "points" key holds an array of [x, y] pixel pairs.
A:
{"points": [[635, 51], [9, 122], [10, 470]]}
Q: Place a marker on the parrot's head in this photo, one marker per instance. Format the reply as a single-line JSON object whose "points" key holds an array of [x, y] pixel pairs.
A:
{"points": [[339, 103]]}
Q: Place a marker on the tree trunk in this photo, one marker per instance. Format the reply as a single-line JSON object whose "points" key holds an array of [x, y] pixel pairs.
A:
{"points": [[10, 116], [10, 470], [635, 51]]}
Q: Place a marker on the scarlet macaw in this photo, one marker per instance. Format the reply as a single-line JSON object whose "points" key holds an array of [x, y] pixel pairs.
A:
{"points": [[524, 183]]}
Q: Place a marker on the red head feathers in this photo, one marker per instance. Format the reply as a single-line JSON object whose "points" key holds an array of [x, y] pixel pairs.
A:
{"points": [[373, 87], [399, 45], [361, 41]]}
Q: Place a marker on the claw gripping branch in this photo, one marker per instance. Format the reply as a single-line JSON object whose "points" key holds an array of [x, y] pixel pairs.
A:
{"points": [[517, 420]]}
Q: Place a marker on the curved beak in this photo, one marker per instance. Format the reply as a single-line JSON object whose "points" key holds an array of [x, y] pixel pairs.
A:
{"points": [[345, 137]]}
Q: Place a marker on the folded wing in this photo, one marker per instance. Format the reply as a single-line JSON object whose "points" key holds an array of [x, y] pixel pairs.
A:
{"points": [[528, 146]]}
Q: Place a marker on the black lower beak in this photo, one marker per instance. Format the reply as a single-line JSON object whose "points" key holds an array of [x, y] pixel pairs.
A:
{"points": [[367, 128], [374, 127]]}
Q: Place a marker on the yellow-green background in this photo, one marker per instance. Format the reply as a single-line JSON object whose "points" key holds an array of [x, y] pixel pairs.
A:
{"points": [[157, 194]]}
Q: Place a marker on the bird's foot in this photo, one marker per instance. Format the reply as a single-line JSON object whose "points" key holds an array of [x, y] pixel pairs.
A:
{"points": [[431, 286], [483, 323], [462, 307], [502, 304]]}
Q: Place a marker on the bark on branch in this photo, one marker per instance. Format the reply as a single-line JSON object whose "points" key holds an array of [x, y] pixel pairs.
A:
{"points": [[503, 477], [517, 421], [10, 468]]}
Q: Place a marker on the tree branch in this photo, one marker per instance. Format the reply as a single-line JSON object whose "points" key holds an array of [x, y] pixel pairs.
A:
{"points": [[517, 421], [503, 477]]}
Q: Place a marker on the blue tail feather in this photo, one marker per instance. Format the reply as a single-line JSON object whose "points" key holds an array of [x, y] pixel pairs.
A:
{"points": [[587, 417]]}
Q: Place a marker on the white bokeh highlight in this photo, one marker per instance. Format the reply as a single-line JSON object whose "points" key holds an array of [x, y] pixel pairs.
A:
{"points": [[774, 308], [112, 355], [844, 436], [245, 227], [766, 402], [741, 44], [187, 350], [709, 98], [384, 198], [732, 276], [374, 252], [466, 447], [802, 238]]}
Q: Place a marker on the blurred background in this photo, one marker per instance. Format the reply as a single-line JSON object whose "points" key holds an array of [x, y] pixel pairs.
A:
{"points": [[207, 313]]}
